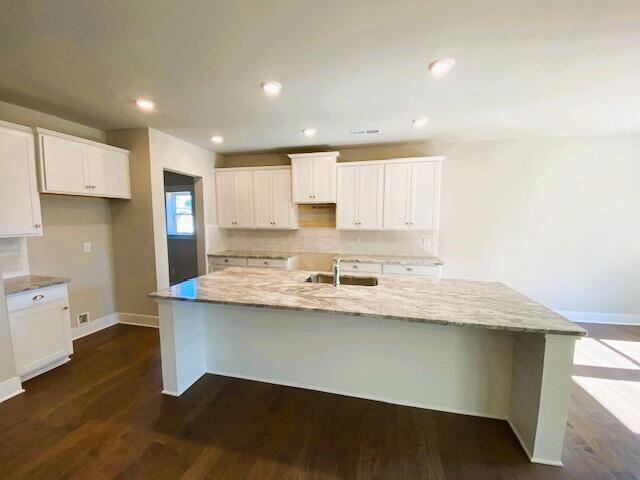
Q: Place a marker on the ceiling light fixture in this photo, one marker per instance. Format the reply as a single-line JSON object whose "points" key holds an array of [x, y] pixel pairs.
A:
{"points": [[309, 132], [271, 88], [441, 66], [420, 122], [217, 139], [145, 104]]}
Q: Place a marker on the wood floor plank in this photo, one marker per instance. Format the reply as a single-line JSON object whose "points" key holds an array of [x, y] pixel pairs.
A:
{"points": [[102, 416]]}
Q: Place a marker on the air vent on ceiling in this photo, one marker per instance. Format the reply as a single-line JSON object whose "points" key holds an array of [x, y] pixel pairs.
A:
{"points": [[365, 131]]}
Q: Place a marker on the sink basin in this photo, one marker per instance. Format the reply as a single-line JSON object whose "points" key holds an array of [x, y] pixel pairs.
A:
{"points": [[344, 279]]}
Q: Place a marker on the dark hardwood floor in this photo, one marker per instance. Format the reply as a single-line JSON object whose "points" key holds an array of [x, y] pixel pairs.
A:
{"points": [[102, 416]]}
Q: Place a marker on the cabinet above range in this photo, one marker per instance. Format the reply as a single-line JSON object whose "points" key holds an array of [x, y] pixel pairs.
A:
{"points": [[75, 166]]}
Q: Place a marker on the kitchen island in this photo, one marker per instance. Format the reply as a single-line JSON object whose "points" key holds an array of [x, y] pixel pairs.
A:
{"points": [[476, 348]]}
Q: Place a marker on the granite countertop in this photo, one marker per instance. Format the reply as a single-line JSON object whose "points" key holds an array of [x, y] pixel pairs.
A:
{"points": [[253, 254], [390, 259], [415, 299], [26, 283]]}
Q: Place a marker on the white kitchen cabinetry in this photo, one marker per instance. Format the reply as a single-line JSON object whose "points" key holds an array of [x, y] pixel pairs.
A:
{"points": [[235, 199], [222, 262], [75, 166], [20, 213], [314, 177], [255, 198], [411, 194], [360, 196], [272, 199], [40, 330]]}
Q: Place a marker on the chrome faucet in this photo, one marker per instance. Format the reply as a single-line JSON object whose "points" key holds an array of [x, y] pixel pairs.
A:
{"points": [[336, 272]]}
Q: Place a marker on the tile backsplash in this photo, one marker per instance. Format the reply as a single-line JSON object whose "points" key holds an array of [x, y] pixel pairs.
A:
{"points": [[13, 257], [327, 240]]}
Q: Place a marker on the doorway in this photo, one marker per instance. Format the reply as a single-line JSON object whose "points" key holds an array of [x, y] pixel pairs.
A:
{"points": [[181, 219]]}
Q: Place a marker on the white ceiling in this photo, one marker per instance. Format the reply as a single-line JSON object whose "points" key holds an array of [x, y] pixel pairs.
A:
{"points": [[523, 68]]}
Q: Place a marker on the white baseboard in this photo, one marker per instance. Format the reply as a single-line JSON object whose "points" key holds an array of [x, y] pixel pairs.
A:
{"points": [[604, 318], [10, 388], [94, 326], [138, 319]]}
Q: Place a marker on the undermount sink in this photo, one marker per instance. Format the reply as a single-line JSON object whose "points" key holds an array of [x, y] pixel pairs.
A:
{"points": [[344, 279]]}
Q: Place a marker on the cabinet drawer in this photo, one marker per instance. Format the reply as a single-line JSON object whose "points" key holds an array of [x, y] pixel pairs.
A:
{"points": [[35, 298], [360, 267], [238, 262], [422, 270], [268, 262]]}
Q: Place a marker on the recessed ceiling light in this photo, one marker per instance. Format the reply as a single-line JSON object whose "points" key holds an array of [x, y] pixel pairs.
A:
{"points": [[145, 104], [309, 132], [420, 122], [441, 66], [217, 139], [271, 88]]}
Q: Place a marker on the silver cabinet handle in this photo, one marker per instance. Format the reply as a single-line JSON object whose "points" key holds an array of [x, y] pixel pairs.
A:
{"points": [[226, 260], [266, 263], [355, 267], [65, 308], [409, 269], [38, 297], [37, 225]]}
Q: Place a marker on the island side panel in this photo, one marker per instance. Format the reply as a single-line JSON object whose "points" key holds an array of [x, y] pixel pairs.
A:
{"points": [[540, 389], [182, 345], [456, 369]]}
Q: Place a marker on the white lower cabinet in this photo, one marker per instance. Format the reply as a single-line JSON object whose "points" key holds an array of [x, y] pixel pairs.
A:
{"points": [[419, 270], [40, 330]]}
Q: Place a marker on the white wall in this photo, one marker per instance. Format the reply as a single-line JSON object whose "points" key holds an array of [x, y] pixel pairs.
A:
{"points": [[170, 153], [555, 218]]}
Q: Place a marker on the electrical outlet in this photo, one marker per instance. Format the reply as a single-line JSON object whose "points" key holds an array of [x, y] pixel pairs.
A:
{"points": [[83, 318], [87, 247], [426, 243]]}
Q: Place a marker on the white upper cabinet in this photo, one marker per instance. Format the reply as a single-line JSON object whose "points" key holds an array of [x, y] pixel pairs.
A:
{"points": [[411, 194], [255, 198], [20, 212], [75, 166], [272, 199], [360, 197], [234, 191], [314, 177]]}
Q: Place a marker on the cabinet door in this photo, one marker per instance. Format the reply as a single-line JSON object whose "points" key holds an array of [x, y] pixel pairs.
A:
{"points": [[370, 198], [346, 201], [40, 335], [283, 210], [302, 170], [262, 199], [226, 197], [108, 172], [324, 179], [244, 199], [397, 186], [65, 169], [424, 196], [20, 212]]}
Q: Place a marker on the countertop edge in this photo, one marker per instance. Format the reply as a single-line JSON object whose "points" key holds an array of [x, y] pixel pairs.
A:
{"points": [[583, 333], [54, 281]]}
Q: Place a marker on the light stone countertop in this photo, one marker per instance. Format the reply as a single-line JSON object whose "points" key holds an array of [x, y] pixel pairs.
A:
{"points": [[389, 259], [26, 283], [253, 254], [466, 303]]}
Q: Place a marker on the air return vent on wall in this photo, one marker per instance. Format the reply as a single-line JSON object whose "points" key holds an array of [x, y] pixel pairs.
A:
{"points": [[365, 131]]}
